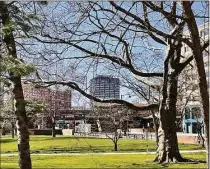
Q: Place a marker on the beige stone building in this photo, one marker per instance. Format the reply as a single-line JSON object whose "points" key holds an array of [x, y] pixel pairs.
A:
{"points": [[192, 116], [189, 77]]}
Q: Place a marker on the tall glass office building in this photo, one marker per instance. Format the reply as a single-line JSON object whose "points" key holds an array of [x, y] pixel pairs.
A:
{"points": [[105, 87]]}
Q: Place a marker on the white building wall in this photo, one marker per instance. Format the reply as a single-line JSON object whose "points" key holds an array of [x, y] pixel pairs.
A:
{"points": [[191, 70]]}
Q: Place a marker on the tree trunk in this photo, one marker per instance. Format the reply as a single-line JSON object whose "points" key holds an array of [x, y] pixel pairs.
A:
{"points": [[22, 126], [115, 139], [155, 126], [168, 150], [198, 55], [13, 130], [53, 128], [115, 146]]}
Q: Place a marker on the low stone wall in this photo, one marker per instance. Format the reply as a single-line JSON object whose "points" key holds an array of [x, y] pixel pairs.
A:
{"points": [[188, 139], [140, 130]]}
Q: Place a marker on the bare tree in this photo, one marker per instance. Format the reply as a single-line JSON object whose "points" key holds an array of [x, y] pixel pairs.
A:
{"points": [[197, 51], [122, 29], [112, 123]]}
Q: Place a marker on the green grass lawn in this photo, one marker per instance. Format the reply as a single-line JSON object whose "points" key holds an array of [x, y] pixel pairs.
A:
{"points": [[45, 144], [101, 161]]}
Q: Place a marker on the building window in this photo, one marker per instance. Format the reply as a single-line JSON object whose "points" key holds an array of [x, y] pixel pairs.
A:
{"points": [[204, 32], [187, 113], [196, 113]]}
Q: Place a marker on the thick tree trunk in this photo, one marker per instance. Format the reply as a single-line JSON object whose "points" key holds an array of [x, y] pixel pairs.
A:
{"points": [[197, 51], [22, 126], [168, 150]]}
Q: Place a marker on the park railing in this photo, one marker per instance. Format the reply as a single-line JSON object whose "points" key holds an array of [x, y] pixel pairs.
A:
{"points": [[141, 136]]}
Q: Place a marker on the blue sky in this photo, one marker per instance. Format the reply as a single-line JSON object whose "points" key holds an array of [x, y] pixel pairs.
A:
{"points": [[78, 69]]}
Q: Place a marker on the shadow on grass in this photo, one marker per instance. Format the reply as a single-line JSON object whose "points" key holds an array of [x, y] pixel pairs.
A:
{"points": [[147, 164], [9, 140], [87, 149], [189, 161], [36, 137], [185, 162], [136, 150]]}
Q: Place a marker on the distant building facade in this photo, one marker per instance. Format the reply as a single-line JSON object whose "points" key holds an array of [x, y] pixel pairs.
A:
{"points": [[54, 100], [190, 75], [105, 87], [191, 122]]}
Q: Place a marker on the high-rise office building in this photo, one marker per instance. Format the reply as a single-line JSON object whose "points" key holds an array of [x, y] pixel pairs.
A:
{"points": [[105, 87]]}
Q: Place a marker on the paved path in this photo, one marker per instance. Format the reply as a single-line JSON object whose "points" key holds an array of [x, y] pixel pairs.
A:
{"points": [[113, 153]]}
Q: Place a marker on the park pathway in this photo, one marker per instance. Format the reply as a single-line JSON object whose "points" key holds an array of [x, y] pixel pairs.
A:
{"points": [[112, 153]]}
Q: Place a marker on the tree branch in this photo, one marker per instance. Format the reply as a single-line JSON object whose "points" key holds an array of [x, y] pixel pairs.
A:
{"points": [[74, 86], [148, 25], [189, 59], [114, 59]]}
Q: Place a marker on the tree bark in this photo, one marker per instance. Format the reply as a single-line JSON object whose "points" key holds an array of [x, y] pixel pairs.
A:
{"points": [[115, 139], [53, 127], [13, 130], [155, 126], [115, 146], [198, 55], [22, 126], [168, 150]]}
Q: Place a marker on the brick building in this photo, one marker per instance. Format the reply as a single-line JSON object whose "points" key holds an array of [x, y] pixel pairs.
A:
{"points": [[54, 100]]}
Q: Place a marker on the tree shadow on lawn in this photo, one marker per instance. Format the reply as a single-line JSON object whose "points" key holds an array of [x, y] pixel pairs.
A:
{"points": [[183, 146], [8, 140], [185, 162], [42, 138], [89, 149], [136, 149], [143, 164]]}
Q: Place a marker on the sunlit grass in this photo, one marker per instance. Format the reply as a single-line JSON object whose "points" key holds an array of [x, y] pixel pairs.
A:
{"points": [[101, 161], [43, 144]]}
